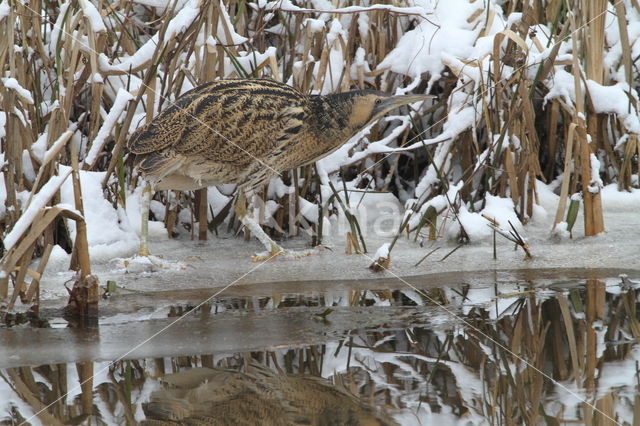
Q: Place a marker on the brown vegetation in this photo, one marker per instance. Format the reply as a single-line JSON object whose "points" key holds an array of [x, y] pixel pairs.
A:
{"points": [[66, 60]]}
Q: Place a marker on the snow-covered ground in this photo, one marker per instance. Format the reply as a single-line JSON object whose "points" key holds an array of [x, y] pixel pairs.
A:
{"points": [[226, 260]]}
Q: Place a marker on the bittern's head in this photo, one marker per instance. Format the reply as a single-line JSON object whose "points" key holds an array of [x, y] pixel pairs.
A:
{"points": [[369, 105]]}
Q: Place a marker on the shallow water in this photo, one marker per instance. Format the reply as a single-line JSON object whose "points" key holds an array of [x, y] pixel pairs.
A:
{"points": [[489, 349]]}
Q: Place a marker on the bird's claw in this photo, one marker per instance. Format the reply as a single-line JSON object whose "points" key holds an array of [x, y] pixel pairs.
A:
{"points": [[287, 254], [268, 255]]}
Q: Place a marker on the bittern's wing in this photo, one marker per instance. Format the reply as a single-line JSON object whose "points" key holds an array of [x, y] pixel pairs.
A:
{"points": [[239, 123], [151, 144], [228, 121], [165, 129]]}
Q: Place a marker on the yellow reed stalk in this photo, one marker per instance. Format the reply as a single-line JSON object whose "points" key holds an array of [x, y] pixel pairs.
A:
{"points": [[571, 336], [593, 218], [19, 382], [595, 304], [566, 176]]}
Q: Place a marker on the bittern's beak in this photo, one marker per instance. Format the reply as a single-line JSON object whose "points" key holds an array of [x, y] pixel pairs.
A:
{"points": [[393, 102]]}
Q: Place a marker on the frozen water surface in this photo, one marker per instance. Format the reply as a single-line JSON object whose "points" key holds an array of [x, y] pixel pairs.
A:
{"points": [[226, 260], [362, 349]]}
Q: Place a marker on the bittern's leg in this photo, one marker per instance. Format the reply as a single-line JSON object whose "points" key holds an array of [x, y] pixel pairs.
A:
{"points": [[147, 193], [243, 214]]}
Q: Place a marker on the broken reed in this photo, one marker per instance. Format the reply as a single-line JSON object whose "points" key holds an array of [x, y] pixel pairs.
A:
{"points": [[514, 142]]}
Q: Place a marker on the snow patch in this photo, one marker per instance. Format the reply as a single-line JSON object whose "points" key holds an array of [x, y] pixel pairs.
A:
{"points": [[23, 94], [108, 232], [617, 99]]}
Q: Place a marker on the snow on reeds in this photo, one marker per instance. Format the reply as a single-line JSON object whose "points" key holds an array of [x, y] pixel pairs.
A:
{"points": [[526, 93]]}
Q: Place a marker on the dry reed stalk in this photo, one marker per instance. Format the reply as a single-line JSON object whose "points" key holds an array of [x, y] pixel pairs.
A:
{"points": [[531, 147], [33, 290], [351, 245], [595, 304], [49, 160], [15, 257], [22, 266], [29, 395], [85, 377], [624, 41], [534, 381], [12, 155], [577, 366], [96, 40], [293, 205], [631, 149], [116, 152], [630, 311], [552, 139], [151, 98], [564, 190], [557, 347], [592, 50], [606, 415], [84, 295], [547, 66], [594, 19], [511, 175], [207, 73], [203, 212], [81, 246]]}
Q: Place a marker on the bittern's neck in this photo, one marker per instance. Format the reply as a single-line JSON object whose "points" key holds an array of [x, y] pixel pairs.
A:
{"points": [[331, 118]]}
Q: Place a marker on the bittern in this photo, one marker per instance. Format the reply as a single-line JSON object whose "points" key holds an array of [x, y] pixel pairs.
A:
{"points": [[245, 131], [258, 395]]}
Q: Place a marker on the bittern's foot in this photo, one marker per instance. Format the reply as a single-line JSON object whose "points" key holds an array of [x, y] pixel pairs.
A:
{"points": [[275, 250], [287, 254], [146, 264]]}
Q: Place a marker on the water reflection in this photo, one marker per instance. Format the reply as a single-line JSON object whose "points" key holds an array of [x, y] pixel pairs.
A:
{"points": [[528, 354]]}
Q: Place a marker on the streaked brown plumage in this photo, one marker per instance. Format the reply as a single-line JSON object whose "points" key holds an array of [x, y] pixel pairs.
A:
{"points": [[206, 396], [245, 131]]}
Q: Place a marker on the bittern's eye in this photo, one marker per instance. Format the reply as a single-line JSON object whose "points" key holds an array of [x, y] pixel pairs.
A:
{"points": [[378, 101]]}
